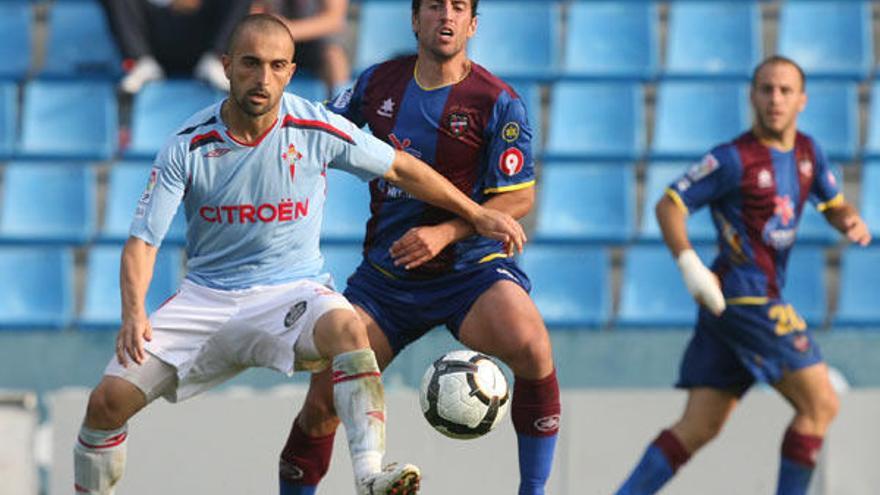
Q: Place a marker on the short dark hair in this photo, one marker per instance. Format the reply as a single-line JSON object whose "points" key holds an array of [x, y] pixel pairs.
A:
{"points": [[779, 59], [258, 21], [418, 3]]}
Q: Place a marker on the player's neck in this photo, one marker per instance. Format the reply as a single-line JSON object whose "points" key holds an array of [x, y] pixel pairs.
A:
{"points": [[243, 127], [431, 73], [780, 141]]}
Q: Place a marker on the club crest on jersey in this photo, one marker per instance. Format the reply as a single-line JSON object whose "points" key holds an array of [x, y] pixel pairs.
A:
{"points": [[458, 123], [510, 132], [386, 109], [806, 168], [765, 179], [511, 161], [294, 314], [700, 170], [290, 157]]}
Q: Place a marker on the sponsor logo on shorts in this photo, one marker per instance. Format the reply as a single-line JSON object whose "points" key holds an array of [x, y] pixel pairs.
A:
{"points": [[506, 272], [294, 314], [801, 343], [548, 423]]}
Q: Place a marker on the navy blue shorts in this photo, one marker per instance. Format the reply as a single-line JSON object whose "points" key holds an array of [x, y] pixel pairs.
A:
{"points": [[407, 309], [747, 343]]}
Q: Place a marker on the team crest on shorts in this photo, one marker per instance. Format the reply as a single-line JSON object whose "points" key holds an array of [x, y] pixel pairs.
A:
{"points": [[458, 123], [295, 313], [801, 343]]}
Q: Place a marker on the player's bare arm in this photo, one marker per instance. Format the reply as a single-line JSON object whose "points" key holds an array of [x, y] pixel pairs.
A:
{"points": [[426, 184], [421, 244], [138, 259], [847, 220], [700, 281], [329, 20]]}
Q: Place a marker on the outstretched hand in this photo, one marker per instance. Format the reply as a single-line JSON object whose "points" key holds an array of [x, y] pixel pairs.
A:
{"points": [[857, 230]]}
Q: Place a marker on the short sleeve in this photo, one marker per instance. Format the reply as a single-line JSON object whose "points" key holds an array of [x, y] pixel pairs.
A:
{"points": [[161, 197], [356, 151], [348, 103], [825, 191], [715, 175], [510, 162]]}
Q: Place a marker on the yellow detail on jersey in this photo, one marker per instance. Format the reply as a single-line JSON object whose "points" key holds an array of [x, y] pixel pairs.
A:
{"points": [[747, 301], [383, 271], [831, 203], [512, 187], [787, 319], [493, 256], [677, 199]]}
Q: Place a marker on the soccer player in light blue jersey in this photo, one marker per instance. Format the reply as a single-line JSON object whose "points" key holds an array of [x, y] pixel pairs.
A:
{"points": [[250, 172], [757, 186]]}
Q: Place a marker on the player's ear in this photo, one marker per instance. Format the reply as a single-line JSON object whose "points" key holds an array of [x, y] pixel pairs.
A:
{"points": [[292, 72], [472, 28], [802, 103], [226, 60]]}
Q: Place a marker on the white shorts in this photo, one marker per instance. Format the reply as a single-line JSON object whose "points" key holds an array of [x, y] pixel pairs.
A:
{"points": [[210, 335]]}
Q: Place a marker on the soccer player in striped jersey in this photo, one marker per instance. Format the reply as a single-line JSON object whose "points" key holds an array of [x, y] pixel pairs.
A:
{"points": [[757, 186], [424, 267], [250, 172]]}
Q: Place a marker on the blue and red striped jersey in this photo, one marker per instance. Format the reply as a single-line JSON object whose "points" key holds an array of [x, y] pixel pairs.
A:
{"points": [[756, 195], [474, 132]]}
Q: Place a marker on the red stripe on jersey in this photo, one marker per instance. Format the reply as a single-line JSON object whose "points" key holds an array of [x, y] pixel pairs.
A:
{"points": [[291, 121], [803, 151], [757, 204], [203, 139]]}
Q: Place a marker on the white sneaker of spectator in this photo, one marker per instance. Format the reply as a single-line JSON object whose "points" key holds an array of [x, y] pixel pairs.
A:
{"points": [[210, 70], [146, 69]]}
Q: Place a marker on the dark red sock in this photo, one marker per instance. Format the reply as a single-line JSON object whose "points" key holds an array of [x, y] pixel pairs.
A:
{"points": [[801, 448], [672, 449], [305, 459], [536, 409]]}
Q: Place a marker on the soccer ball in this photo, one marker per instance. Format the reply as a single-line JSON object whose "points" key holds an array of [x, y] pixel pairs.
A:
{"points": [[464, 394]]}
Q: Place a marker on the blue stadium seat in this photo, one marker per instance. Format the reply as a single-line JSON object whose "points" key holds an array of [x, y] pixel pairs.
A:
{"points": [[347, 208], [657, 179], [713, 39], [36, 289], [805, 284], [69, 120], [162, 107], [591, 120], [693, 117], [73, 26], [341, 260], [518, 39], [45, 202], [653, 293], [612, 40], [832, 117], [15, 39], [870, 207], [872, 146], [8, 118], [385, 31], [125, 186], [310, 88], [570, 283], [859, 279], [828, 38], [586, 202], [101, 307], [530, 93]]}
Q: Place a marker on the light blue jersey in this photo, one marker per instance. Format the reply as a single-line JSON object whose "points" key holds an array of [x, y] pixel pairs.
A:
{"points": [[254, 211]]}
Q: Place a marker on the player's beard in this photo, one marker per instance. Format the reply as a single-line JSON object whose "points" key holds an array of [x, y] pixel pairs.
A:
{"points": [[255, 110]]}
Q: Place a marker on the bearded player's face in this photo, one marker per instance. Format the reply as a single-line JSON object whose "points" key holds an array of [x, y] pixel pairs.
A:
{"points": [[259, 68]]}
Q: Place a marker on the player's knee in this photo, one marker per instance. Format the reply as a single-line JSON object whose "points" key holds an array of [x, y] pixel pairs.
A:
{"points": [[533, 357], [353, 333], [105, 410], [824, 407]]}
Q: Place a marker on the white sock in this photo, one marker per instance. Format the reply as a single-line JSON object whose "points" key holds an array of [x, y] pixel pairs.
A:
{"points": [[99, 460], [360, 404]]}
